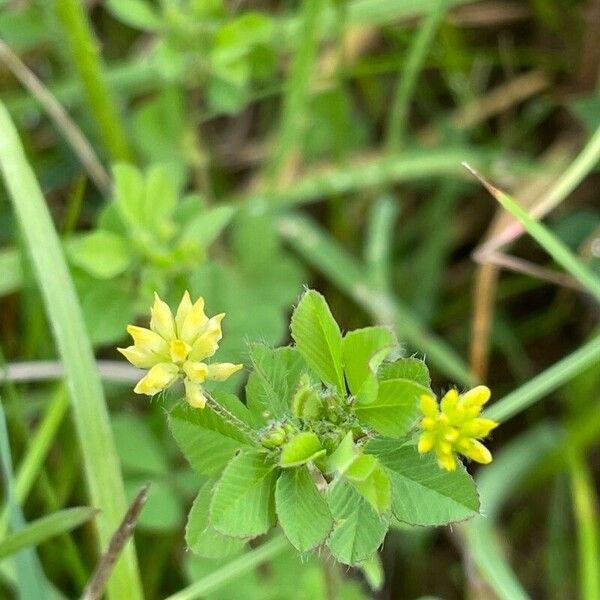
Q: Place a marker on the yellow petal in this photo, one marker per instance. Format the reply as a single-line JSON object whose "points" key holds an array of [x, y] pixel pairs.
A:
{"points": [[476, 397], [426, 442], [449, 402], [194, 394], [221, 371], [194, 322], [148, 341], [476, 451], [196, 371], [446, 461], [207, 342], [428, 423], [161, 320], [182, 311], [429, 406], [179, 351], [478, 428], [139, 357], [158, 378]]}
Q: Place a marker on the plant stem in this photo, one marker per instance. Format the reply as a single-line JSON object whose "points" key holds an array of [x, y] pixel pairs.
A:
{"points": [[86, 56], [236, 568], [229, 417]]}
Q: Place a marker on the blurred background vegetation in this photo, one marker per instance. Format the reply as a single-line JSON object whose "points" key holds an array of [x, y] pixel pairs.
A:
{"points": [[271, 145]]}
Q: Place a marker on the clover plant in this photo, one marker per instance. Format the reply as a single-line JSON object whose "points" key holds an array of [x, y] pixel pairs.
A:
{"points": [[338, 436]]}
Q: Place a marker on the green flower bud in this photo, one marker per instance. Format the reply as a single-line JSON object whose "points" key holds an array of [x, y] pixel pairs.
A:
{"points": [[307, 403]]}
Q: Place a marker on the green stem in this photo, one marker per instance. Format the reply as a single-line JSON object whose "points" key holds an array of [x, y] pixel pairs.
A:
{"points": [[546, 382], [229, 417], [86, 55], [236, 568]]}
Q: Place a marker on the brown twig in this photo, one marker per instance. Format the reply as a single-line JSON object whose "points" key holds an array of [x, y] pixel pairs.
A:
{"points": [[78, 142], [97, 583]]}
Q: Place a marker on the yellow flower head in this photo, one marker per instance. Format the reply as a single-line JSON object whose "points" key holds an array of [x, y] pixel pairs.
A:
{"points": [[455, 425], [175, 347]]}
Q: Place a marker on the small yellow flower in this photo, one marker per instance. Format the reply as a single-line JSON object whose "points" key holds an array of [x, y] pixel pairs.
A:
{"points": [[455, 425], [175, 347]]}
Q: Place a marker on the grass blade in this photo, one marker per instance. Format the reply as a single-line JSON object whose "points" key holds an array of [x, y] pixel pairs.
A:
{"points": [[378, 244], [38, 449], [518, 459], [30, 579], [585, 505], [297, 97], [10, 267], [39, 531], [545, 238], [546, 382], [420, 48], [100, 460]]}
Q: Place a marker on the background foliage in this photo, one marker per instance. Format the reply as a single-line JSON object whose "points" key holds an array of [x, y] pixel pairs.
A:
{"points": [[245, 149]]}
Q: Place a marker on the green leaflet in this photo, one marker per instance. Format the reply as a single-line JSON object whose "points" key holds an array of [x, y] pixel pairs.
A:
{"points": [[206, 227], [302, 511], [102, 254], [318, 338], [414, 369], [302, 448], [135, 13], [394, 410], [358, 530], [129, 190], [374, 487], [201, 537], [243, 502], [207, 441], [273, 381], [363, 350], [422, 493]]}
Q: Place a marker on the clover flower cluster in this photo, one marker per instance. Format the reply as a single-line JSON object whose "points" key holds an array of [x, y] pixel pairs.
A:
{"points": [[455, 427], [176, 347]]}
